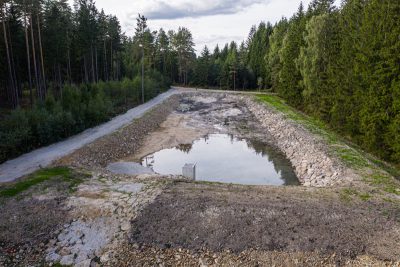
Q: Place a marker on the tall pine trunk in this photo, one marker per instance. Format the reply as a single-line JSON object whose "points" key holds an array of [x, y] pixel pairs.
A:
{"points": [[97, 70], [38, 89], [92, 59], [111, 62], [105, 62], [41, 52], [69, 66], [10, 72], [17, 88], [28, 57]]}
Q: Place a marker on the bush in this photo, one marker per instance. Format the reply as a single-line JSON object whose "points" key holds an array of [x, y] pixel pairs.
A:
{"points": [[76, 109]]}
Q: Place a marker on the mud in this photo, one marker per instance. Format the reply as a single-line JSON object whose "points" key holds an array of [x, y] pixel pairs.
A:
{"points": [[238, 218]]}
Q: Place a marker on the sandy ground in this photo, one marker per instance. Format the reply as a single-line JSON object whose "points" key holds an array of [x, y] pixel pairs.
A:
{"points": [[153, 220], [175, 130]]}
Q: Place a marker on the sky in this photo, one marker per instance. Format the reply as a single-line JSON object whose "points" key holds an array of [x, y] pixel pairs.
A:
{"points": [[211, 22]]}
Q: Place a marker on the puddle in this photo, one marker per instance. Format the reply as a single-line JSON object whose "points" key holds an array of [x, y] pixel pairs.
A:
{"points": [[223, 158]]}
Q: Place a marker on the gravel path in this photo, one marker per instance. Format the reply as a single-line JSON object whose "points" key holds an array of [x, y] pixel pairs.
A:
{"points": [[30, 162]]}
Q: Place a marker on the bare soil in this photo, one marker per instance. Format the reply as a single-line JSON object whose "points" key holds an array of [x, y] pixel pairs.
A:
{"points": [[171, 222], [30, 219], [219, 217]]}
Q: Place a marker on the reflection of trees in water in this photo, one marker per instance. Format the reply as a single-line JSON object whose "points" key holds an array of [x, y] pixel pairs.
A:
{"points": [[186, 148], [281, 164]]}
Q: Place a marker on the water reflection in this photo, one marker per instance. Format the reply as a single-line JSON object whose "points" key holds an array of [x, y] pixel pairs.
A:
{"points": [[224, 158], [185, 148]]}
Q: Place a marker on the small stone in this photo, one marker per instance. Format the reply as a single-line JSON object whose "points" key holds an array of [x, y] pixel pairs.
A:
{"points": [[65, 251], [85, 263], [67, 260], [125, 226], [53, 257]]}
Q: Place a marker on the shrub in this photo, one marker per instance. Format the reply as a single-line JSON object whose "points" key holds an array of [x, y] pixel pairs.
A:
{"points": [[75, 109]]}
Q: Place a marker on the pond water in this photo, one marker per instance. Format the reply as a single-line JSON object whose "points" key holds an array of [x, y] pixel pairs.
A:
{"points": [[224, 158]]}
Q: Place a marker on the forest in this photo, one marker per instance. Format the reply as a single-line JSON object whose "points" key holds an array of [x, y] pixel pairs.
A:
{"points": [[338, 64], [64, 69]]}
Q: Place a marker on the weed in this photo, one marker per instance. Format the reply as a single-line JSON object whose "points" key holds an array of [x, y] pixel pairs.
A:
{"points": [[347, 195], [63, 173]]}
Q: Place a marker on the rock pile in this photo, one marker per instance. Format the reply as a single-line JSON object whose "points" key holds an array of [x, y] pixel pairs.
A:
{"points": [[101, 210], [309, 154]]}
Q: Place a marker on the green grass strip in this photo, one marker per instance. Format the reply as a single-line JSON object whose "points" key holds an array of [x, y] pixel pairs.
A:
{"points": [[34, 179]]}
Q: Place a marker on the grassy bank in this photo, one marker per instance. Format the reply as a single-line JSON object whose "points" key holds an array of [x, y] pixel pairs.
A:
{"points": [[374, 171]]}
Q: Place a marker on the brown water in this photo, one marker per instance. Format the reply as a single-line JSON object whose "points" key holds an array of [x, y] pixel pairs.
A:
{"points": [[224, 158]]}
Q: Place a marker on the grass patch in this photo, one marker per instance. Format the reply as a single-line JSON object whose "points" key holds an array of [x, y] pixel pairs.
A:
{"points": [[347, 195], [387, 183], [63, 173]]}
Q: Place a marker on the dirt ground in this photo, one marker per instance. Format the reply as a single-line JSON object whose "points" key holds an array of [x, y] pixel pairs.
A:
{"points": [[237, 218], [154, 220], [29, 220]]}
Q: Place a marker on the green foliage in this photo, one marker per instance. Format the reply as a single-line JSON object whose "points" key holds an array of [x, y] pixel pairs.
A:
{"points": [[37, 178], [316, 64], [258, 47], [272, 57], [79, 108], [290, 78]]}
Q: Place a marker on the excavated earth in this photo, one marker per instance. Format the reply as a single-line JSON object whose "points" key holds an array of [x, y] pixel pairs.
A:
{"points": [[145, 219]]}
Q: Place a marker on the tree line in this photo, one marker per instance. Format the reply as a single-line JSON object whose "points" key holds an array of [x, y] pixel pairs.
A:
{"points": [[338, 64], [66, 68]]}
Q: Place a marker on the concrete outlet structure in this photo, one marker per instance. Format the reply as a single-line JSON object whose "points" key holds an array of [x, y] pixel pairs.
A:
{"points": [[189, 171]]}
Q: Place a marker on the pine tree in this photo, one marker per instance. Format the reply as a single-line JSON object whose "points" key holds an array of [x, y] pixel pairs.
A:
{"points": [[272, 58], [290, 78], [317, 64]]}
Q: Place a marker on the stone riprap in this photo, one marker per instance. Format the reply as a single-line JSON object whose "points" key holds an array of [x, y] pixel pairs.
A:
{"points": [[309, 154]]}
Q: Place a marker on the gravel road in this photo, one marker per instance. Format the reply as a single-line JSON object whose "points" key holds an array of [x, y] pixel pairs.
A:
{"points": [[30, 162]]}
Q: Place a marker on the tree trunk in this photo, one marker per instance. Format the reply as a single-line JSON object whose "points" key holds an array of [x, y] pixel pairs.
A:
{"points": [[17, 88], [96, 61], [112, 62], [86, 71], [8, 56], [38, 89], [41, 52], [61, 84], [91, 55], [105, 62], [28, 56], [69, 67]]}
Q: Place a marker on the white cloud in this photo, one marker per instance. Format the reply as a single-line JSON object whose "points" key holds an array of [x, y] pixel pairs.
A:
{"points": [[210, 21], [164, 9]]}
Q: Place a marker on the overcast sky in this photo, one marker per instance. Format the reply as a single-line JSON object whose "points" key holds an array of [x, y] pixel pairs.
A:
{"points": [[210, 21]]}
